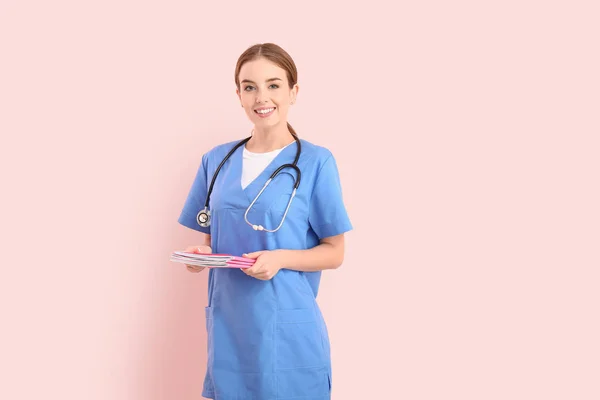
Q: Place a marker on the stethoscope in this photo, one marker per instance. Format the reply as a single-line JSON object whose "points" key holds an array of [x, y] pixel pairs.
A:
{"points": [[204, 217]]}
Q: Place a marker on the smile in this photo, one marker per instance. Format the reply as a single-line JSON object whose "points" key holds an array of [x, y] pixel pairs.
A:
{"points": [[265, 112]]}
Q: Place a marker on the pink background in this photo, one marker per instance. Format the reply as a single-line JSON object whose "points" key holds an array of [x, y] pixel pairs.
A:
{"points": [[467, 136]]}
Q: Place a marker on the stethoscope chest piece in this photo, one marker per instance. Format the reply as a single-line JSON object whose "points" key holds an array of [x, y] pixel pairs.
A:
{"points": [[203, 218]]}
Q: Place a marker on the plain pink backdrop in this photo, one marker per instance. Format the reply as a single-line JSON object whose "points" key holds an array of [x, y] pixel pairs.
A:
{"points": [[467, 137]]}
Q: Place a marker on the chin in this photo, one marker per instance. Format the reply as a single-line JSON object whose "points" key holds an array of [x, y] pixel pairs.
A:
{"points": [[269, 123]]}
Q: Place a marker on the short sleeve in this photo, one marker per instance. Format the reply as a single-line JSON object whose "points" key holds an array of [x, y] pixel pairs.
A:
{"points": [[328, 215], [196, 199]]}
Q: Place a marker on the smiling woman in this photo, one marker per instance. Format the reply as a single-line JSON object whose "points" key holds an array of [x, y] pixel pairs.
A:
{"points": [[267, 338], [267, 84]]}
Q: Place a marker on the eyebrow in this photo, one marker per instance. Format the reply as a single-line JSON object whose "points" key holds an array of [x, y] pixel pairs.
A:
{"points": [[268, 80]]}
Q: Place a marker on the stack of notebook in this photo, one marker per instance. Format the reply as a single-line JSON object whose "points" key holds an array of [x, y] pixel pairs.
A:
{"points": [[211, 260]]}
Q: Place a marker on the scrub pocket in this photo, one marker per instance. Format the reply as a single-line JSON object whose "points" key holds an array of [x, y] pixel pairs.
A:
{"points": [[283, 186], [302, 368], [298, 339]]}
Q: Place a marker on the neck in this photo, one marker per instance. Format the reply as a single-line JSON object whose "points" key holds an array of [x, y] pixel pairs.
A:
{"points": [[268, 139]]}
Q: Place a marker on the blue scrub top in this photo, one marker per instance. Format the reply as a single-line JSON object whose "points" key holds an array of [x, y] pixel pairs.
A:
{"points": [[267, 339]]}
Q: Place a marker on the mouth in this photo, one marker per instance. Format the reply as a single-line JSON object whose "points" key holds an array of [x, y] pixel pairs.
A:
{"points": [[265, 112]]}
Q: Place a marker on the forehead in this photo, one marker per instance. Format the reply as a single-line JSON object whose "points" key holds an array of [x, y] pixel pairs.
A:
{"points": [[260, 70]]}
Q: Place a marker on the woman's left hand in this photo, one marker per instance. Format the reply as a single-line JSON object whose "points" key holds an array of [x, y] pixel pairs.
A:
{"points": [[267, 264]]}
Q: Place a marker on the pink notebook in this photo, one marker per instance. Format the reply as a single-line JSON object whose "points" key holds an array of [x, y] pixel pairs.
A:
{"points": [[212, 260]]}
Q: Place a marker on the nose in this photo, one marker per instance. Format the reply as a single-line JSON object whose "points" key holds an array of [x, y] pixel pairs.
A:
{"points": [[261, 98]]}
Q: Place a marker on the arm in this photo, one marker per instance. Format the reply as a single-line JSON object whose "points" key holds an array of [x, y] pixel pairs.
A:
{"points": [[206, 240], [193, 204], [201, 248], [329, 254]]}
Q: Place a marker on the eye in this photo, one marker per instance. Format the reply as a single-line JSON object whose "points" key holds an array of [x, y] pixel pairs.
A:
{"points": [[276, 86], [248, 87]]}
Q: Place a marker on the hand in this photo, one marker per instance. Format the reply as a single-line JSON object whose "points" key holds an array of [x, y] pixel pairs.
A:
{"points": [[266, 266], [196, 250]]}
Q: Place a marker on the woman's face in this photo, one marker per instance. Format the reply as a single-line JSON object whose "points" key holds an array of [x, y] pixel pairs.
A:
{"points": [[264, 92]]}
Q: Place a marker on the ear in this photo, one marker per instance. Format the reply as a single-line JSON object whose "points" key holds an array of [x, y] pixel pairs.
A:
{"points": [[294, 93], [237, 92]]}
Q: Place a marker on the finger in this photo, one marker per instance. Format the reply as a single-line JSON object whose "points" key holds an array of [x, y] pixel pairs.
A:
{"points": [[198, 249], [253, 255], [264, 275], [256, 276], [202, 249], [258, 266], [206, 249], [253, 270], [193, 268]]}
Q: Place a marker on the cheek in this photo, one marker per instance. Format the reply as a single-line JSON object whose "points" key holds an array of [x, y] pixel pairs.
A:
{"points": [[248, 106], [247, 98], [283, 110]]}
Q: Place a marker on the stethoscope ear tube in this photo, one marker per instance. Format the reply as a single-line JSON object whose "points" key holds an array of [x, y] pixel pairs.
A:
{"points": [[298, 173]]}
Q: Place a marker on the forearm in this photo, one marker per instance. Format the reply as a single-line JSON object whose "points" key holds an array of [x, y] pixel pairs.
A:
{"points": [[205, 240], [321, 257]]}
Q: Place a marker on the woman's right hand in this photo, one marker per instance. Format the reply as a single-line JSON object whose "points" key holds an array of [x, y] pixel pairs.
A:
{"points": [[197, 249]]}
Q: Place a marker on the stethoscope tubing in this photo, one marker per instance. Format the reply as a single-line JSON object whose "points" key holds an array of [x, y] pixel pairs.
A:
{"points": [[203, 216]]}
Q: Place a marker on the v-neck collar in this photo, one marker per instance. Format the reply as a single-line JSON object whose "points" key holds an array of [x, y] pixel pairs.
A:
{"points": [[285, 156]]}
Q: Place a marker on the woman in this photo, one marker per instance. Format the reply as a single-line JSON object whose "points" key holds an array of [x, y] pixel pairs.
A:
{"points": [[266, 335]]}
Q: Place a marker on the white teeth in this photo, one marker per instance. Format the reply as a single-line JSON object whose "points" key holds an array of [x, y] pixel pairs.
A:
{"points": [[268, 110]]}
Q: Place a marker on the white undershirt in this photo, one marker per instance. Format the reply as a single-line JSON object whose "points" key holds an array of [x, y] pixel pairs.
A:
{"points": [[253, 164]]}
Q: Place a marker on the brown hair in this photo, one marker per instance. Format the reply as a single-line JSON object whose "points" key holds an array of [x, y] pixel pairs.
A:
{"points": [[277, 56]]}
